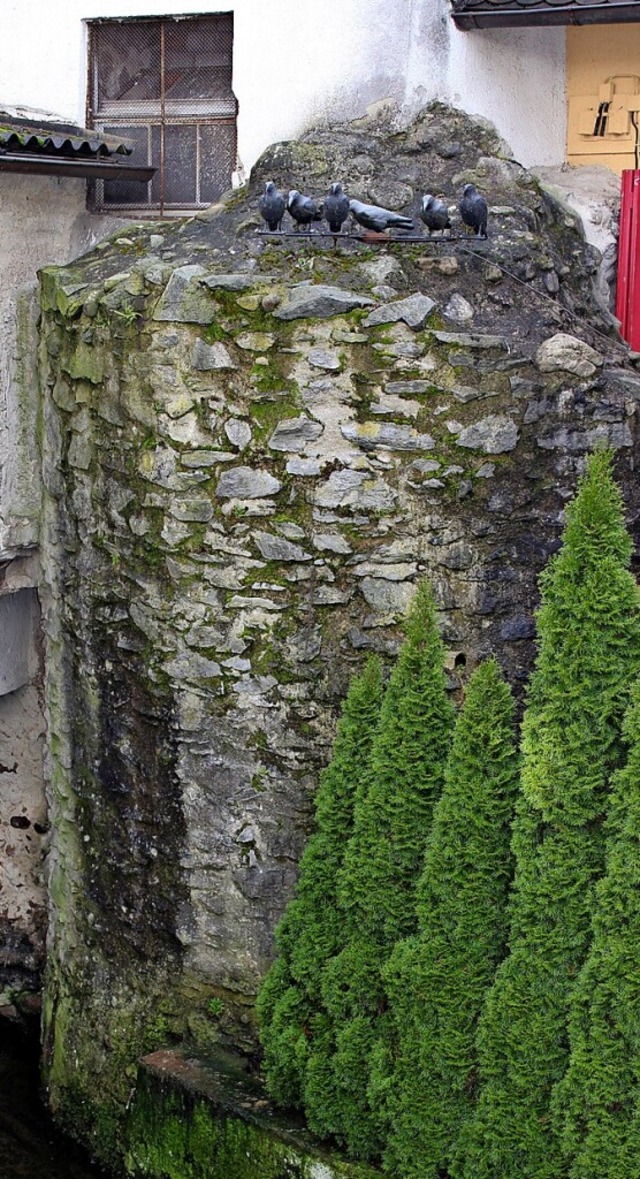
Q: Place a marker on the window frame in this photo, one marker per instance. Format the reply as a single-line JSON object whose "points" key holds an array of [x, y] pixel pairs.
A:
{"points": [[159, 119]]}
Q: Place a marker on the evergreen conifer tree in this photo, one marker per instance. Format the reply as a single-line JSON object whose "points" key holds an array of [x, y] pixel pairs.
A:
{"points": [[311, 929], [589, 653], [378, 881], [599, 1098], [437, 980]]}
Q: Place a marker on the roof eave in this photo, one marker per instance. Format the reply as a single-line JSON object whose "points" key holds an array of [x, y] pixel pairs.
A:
{"points": [[78, 167], [570, 14]]}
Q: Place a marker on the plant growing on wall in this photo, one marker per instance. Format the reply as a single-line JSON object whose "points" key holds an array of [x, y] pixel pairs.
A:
{"points": [[436, 981], [378, 881], [598, 1101], [589, 653], [311, 929]]}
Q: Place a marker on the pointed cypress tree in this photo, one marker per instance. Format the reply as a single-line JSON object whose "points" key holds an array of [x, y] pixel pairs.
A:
{"points": [[378, 881], [589, 652], [437, 980], [599, 1098], [311, 929]]}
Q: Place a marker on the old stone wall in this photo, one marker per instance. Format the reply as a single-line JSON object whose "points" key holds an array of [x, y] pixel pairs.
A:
{"points": [[252, 452]]}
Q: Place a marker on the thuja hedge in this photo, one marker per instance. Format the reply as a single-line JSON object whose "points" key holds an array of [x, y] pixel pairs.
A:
{"points": [[311, 930], [437, 980], [589, 653], [597, 1104], [377, 883], [379, 1050]]}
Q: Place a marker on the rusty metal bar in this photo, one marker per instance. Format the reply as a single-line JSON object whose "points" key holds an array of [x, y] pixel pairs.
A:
{"points": [[163, 108]]}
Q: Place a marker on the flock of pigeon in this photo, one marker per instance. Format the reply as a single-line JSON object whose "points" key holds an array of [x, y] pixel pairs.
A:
{"points": [[336, 207]]}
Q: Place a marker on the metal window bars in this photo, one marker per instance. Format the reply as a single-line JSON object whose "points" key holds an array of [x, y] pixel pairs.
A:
{"points": [[166, 83]]}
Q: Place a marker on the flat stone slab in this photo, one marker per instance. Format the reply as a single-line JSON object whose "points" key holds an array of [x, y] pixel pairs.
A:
{"points": [[246, 483], [322, 358], [209, 357], [386, 435], [236, 282], [414, 311], [355, 490], [293, 434], [183, 299], [190, 1114], [407, 388], [320, 302], [494, 434], [276, 548], [472, 340]]}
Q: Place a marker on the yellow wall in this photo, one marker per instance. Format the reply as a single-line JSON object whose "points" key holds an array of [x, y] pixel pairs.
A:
{"points": [[595, 54]]}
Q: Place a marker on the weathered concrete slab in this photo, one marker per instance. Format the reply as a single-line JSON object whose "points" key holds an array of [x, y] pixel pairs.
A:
{"points": [[191, 1116]]}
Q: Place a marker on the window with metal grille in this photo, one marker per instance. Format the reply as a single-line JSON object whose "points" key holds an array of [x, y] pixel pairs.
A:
{"points": [[165, 83]]}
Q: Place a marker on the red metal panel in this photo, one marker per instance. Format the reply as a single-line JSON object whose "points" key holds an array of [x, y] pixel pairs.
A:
{"points": [[622, 289], [628, 289], [633, 299]]}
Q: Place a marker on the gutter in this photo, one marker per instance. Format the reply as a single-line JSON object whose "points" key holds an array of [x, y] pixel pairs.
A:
{"points": [[79, 167], [547, 14]]}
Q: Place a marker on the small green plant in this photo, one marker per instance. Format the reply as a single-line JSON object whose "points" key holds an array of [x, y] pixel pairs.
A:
{"points": [[215, 1007], [127, 312]]}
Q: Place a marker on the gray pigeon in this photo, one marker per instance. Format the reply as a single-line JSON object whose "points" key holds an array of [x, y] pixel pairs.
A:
{"points": [[434, 213], [336, 208], [377, 219], [473, 210], [272, 206], [302, 209]]}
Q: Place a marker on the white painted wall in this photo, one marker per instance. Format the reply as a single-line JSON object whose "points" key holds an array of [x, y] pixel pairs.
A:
{"points": [[513, 77], [296, 64]]}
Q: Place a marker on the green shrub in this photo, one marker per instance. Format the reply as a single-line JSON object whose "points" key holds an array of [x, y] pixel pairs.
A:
{"points": [[312, 930], [598, 1099], [378, 881], [589, 652], [437, 980]]}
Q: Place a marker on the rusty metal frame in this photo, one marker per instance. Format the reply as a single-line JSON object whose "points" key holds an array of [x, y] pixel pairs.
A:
{"points": [[160, 120]]}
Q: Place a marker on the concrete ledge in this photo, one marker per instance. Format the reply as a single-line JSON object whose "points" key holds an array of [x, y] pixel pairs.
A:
{"points": [[206, 1119]]}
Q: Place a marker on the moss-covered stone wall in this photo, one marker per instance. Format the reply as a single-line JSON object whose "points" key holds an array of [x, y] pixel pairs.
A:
{"points": [[252, 451]]}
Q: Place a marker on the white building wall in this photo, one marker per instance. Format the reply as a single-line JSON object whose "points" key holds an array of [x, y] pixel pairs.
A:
{"points": [[296, 64]]}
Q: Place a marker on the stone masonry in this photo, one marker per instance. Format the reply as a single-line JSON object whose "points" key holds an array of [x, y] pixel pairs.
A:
{"points": [[253, 451]]}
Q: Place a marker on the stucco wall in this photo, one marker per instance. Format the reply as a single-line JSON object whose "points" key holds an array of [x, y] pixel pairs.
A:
{"points": [[293, 67], [43, 221], [514, 78]]}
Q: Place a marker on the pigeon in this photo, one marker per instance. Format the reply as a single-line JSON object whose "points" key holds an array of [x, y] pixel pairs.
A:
{"points": [[272, 206], [434, 213], [473, 210], [336, 208], [303, 209], [377, 219]]}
